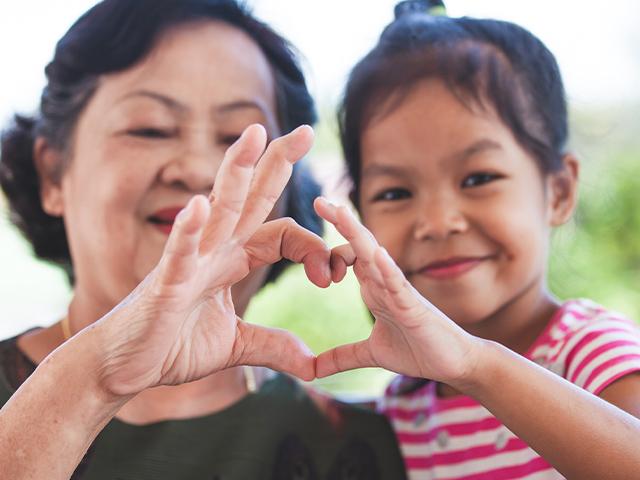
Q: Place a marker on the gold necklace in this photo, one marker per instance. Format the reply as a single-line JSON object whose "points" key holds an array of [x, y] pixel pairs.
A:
{"points": [[66, 329], [249, 375]]}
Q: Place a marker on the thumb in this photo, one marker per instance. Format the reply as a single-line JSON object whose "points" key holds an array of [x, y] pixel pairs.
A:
{"points": [[343, 358], [273, 348]]}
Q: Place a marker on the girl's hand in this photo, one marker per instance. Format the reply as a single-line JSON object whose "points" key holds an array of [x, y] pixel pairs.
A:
{"points": [[179, 324], [410, 335]]}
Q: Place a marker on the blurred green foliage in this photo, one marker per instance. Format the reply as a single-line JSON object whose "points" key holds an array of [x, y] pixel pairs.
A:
{"points": [[597, 255]]}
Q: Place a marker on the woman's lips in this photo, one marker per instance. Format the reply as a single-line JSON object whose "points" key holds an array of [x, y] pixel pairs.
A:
{"points": [[450, 268], [163, 219]]}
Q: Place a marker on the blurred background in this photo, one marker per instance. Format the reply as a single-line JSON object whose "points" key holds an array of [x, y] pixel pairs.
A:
{"points": [[597, 255]]}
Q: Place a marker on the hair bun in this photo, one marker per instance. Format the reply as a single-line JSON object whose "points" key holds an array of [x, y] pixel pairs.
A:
{"points": [[427, 7]]}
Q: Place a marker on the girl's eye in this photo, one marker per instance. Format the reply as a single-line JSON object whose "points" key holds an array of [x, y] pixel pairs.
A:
{"points": [[150, 132], [480, 178], [392, 195]]}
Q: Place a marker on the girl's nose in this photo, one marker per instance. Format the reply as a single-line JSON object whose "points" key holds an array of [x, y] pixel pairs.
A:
{"points": [[439, 219]]}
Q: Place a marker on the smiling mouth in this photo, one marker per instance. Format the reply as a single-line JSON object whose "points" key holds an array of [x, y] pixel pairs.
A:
{"points": [[163, 219], [164, 226], [450, 268]]}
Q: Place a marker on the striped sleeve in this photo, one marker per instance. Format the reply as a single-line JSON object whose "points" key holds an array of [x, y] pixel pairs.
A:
{"points": [[602, 352]]}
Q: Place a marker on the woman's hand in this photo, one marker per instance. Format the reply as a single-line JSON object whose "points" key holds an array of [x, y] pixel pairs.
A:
{"points": [[179, 324], [410, 335]]}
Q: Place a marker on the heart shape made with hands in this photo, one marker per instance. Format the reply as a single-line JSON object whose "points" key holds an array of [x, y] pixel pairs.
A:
{"points": [[180, 323]]}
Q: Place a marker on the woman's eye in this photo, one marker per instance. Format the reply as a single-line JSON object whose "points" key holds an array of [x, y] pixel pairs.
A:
{"points": [[228, 140], [478, 179], [391, 195], [149, 132]]}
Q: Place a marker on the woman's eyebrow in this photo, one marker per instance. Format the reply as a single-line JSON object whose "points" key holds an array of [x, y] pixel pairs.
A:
{"points": [[240, 105], [180, 107], [169, 102]]}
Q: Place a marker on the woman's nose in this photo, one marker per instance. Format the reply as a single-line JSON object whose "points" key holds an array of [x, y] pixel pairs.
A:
{"points": [[194, 169], [438, 219]]}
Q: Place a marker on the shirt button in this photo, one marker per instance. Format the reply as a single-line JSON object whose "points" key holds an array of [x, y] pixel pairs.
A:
{"points": [[419, 419], [442, 438], [501, 440]]}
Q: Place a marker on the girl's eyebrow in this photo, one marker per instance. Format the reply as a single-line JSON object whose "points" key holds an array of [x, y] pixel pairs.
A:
{"points": [[462, 156], [475, 148], [376, 169]]}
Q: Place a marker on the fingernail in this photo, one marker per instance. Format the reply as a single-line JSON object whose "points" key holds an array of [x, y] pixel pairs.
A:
{"points": [[326, 202], [250, 127], [304, 127]]}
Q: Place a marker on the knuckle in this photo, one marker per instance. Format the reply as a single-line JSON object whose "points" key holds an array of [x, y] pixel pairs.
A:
{"points": [[270, 198], [288, 222], [234, 204]]}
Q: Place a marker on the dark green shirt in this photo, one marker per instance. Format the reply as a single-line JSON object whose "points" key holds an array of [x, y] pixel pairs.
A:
{"points": [[277, 433]]}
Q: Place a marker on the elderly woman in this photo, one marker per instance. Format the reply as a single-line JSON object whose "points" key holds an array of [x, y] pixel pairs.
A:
{"points": [[122, 179]]}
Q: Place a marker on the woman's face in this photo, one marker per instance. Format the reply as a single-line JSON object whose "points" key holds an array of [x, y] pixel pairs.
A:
{"points": [[150, 138]]}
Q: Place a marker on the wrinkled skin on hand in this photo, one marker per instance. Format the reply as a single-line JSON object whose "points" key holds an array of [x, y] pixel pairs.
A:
{"points": [[180, 324]]}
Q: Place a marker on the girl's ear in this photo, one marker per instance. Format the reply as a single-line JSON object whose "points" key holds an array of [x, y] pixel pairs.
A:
{"points": [[48, 163], [563, 190]]}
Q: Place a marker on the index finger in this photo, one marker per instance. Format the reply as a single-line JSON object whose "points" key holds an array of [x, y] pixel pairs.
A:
{"points": [[232, 184], [271, 177], [362, 240], [284, 238]]}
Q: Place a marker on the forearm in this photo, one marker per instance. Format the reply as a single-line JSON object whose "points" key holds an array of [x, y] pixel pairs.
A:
{"points": [[571, 428], [50, 422]]}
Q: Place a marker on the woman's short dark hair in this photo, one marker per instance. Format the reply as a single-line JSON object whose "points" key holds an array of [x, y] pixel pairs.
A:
{"points": [[484, 62], [112, 36]]}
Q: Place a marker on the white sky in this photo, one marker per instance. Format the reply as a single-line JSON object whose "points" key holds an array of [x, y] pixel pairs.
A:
{"points": [[597, 43]]}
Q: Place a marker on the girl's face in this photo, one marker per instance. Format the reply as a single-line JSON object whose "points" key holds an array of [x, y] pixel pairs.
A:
{"points": [[150, 138], [458, 203]]}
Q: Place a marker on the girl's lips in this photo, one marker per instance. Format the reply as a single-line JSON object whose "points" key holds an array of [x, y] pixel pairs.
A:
{"points": [[450, 268], [163, 219]]}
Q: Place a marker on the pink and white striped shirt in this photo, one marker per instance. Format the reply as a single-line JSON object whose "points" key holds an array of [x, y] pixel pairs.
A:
{"points": [[457, 438]]}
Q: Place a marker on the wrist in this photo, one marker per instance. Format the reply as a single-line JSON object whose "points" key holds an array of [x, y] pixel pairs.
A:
{"points": [[75, 369], [476, 374], [99, 350]]}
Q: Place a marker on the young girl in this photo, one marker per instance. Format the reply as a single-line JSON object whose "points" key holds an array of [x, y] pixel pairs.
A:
{"points": [[454, 132]]}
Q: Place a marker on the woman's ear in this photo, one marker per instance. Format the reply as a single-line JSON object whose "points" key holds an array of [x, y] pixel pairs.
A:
{"points": [[353, 197], [563, 190], [48, 164]]}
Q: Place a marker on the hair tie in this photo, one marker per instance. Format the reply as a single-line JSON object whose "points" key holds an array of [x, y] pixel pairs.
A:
{"points": [[426, 7]]}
